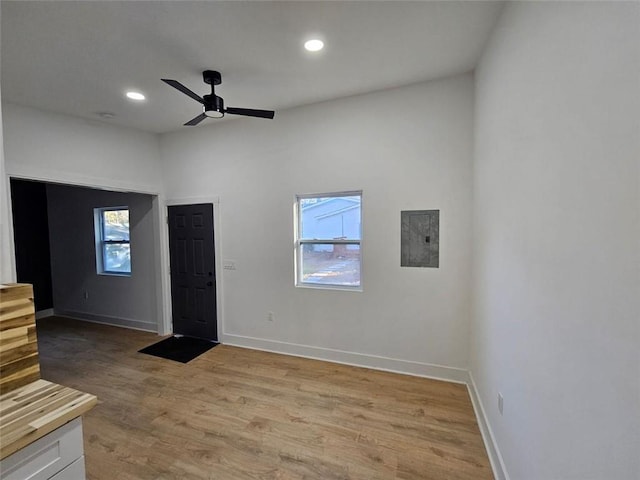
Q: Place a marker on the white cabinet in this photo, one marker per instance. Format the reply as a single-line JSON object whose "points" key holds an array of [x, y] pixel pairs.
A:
{"points": [[58, 455]]}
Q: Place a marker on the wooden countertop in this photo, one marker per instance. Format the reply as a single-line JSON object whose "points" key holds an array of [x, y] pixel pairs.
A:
{"points": [[34, 410]]}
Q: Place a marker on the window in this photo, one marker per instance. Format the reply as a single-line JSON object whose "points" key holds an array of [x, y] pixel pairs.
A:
{"points": [[328, 234], [113, 252]]}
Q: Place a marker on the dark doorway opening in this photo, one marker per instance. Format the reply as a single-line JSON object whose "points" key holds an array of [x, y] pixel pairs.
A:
{"points": [[31, 239]]}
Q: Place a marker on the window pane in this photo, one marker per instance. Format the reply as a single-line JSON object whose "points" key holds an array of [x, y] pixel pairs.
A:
{"points": [[115, 224], [330, 218], [330, 264], [117, 257]]}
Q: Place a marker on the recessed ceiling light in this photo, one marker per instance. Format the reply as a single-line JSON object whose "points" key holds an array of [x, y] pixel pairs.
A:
{"points": [[314, 45], [135, 95]]}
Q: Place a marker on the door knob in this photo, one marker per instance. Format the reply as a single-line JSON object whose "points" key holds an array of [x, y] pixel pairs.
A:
{"points": [[209, 284]]}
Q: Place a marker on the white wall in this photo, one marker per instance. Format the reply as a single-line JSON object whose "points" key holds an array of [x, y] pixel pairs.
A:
{"points": [[120, 300], [407, 148], [48, 146], [556, 236], [7, 256]]}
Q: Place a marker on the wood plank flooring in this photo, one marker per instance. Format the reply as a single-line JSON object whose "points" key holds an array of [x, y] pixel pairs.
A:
{"points": [[235, 413]]}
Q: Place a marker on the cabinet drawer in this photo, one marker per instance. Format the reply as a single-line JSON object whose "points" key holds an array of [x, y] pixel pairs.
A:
{"points": [[75, 471], [46, 456]]}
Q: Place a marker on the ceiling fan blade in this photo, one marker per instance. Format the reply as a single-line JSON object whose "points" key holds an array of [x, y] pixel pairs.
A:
{"points": [[249, 112], [196, 120], [178, 86]]}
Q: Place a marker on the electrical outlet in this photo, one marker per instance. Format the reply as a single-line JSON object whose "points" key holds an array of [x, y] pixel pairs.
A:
{"points": [[270, 316], [500, 402]]}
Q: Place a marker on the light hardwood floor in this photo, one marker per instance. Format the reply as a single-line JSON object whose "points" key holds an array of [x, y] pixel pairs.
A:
{"points": [[235, 413]]}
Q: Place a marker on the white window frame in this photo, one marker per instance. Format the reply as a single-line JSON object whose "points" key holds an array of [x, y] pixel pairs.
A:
{"points": [[300, 242], [101, 242]]}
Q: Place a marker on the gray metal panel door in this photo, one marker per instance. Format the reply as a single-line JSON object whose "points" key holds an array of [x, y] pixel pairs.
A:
{"points": [[420, 242], [193, 281]]}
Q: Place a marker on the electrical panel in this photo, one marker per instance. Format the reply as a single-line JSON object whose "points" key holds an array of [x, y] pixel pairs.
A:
{"points": [[420, 242]]}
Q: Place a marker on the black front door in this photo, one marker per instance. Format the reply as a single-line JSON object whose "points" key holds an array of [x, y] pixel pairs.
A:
{"points": [[193, 280]]}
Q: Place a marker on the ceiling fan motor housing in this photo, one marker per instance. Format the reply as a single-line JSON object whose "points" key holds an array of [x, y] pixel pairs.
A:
{"points": [[213, 106]]}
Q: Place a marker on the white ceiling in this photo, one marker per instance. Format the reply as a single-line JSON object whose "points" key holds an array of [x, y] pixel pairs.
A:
{"points": [[80, 57]]}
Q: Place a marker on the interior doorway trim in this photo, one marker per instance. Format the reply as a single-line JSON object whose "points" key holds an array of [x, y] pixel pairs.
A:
{"points": [[81, 181], [215, 201]]}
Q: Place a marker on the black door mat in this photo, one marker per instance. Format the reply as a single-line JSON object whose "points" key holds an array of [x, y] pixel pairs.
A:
{"points": [[179, 348]]}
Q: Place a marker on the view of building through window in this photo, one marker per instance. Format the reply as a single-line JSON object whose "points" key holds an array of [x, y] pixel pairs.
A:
{"points": [[114, 242], [329, 236]]}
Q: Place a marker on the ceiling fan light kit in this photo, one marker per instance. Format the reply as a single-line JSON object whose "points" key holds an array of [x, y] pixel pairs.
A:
{"points": [[213, 105]]}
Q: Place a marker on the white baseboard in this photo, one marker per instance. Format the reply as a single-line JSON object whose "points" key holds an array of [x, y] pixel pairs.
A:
{"points": [[47, 312], [407, 367], [107, 320], [495, 457]]}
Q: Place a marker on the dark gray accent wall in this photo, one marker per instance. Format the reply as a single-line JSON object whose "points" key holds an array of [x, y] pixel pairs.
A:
{"points": [[78, 290]]}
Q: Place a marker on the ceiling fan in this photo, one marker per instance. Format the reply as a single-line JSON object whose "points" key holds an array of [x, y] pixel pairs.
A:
{"points": [[213, 105]]}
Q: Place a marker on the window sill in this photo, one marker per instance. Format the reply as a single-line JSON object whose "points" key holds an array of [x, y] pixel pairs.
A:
{"points": [[342, 288], [114, 274]]}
